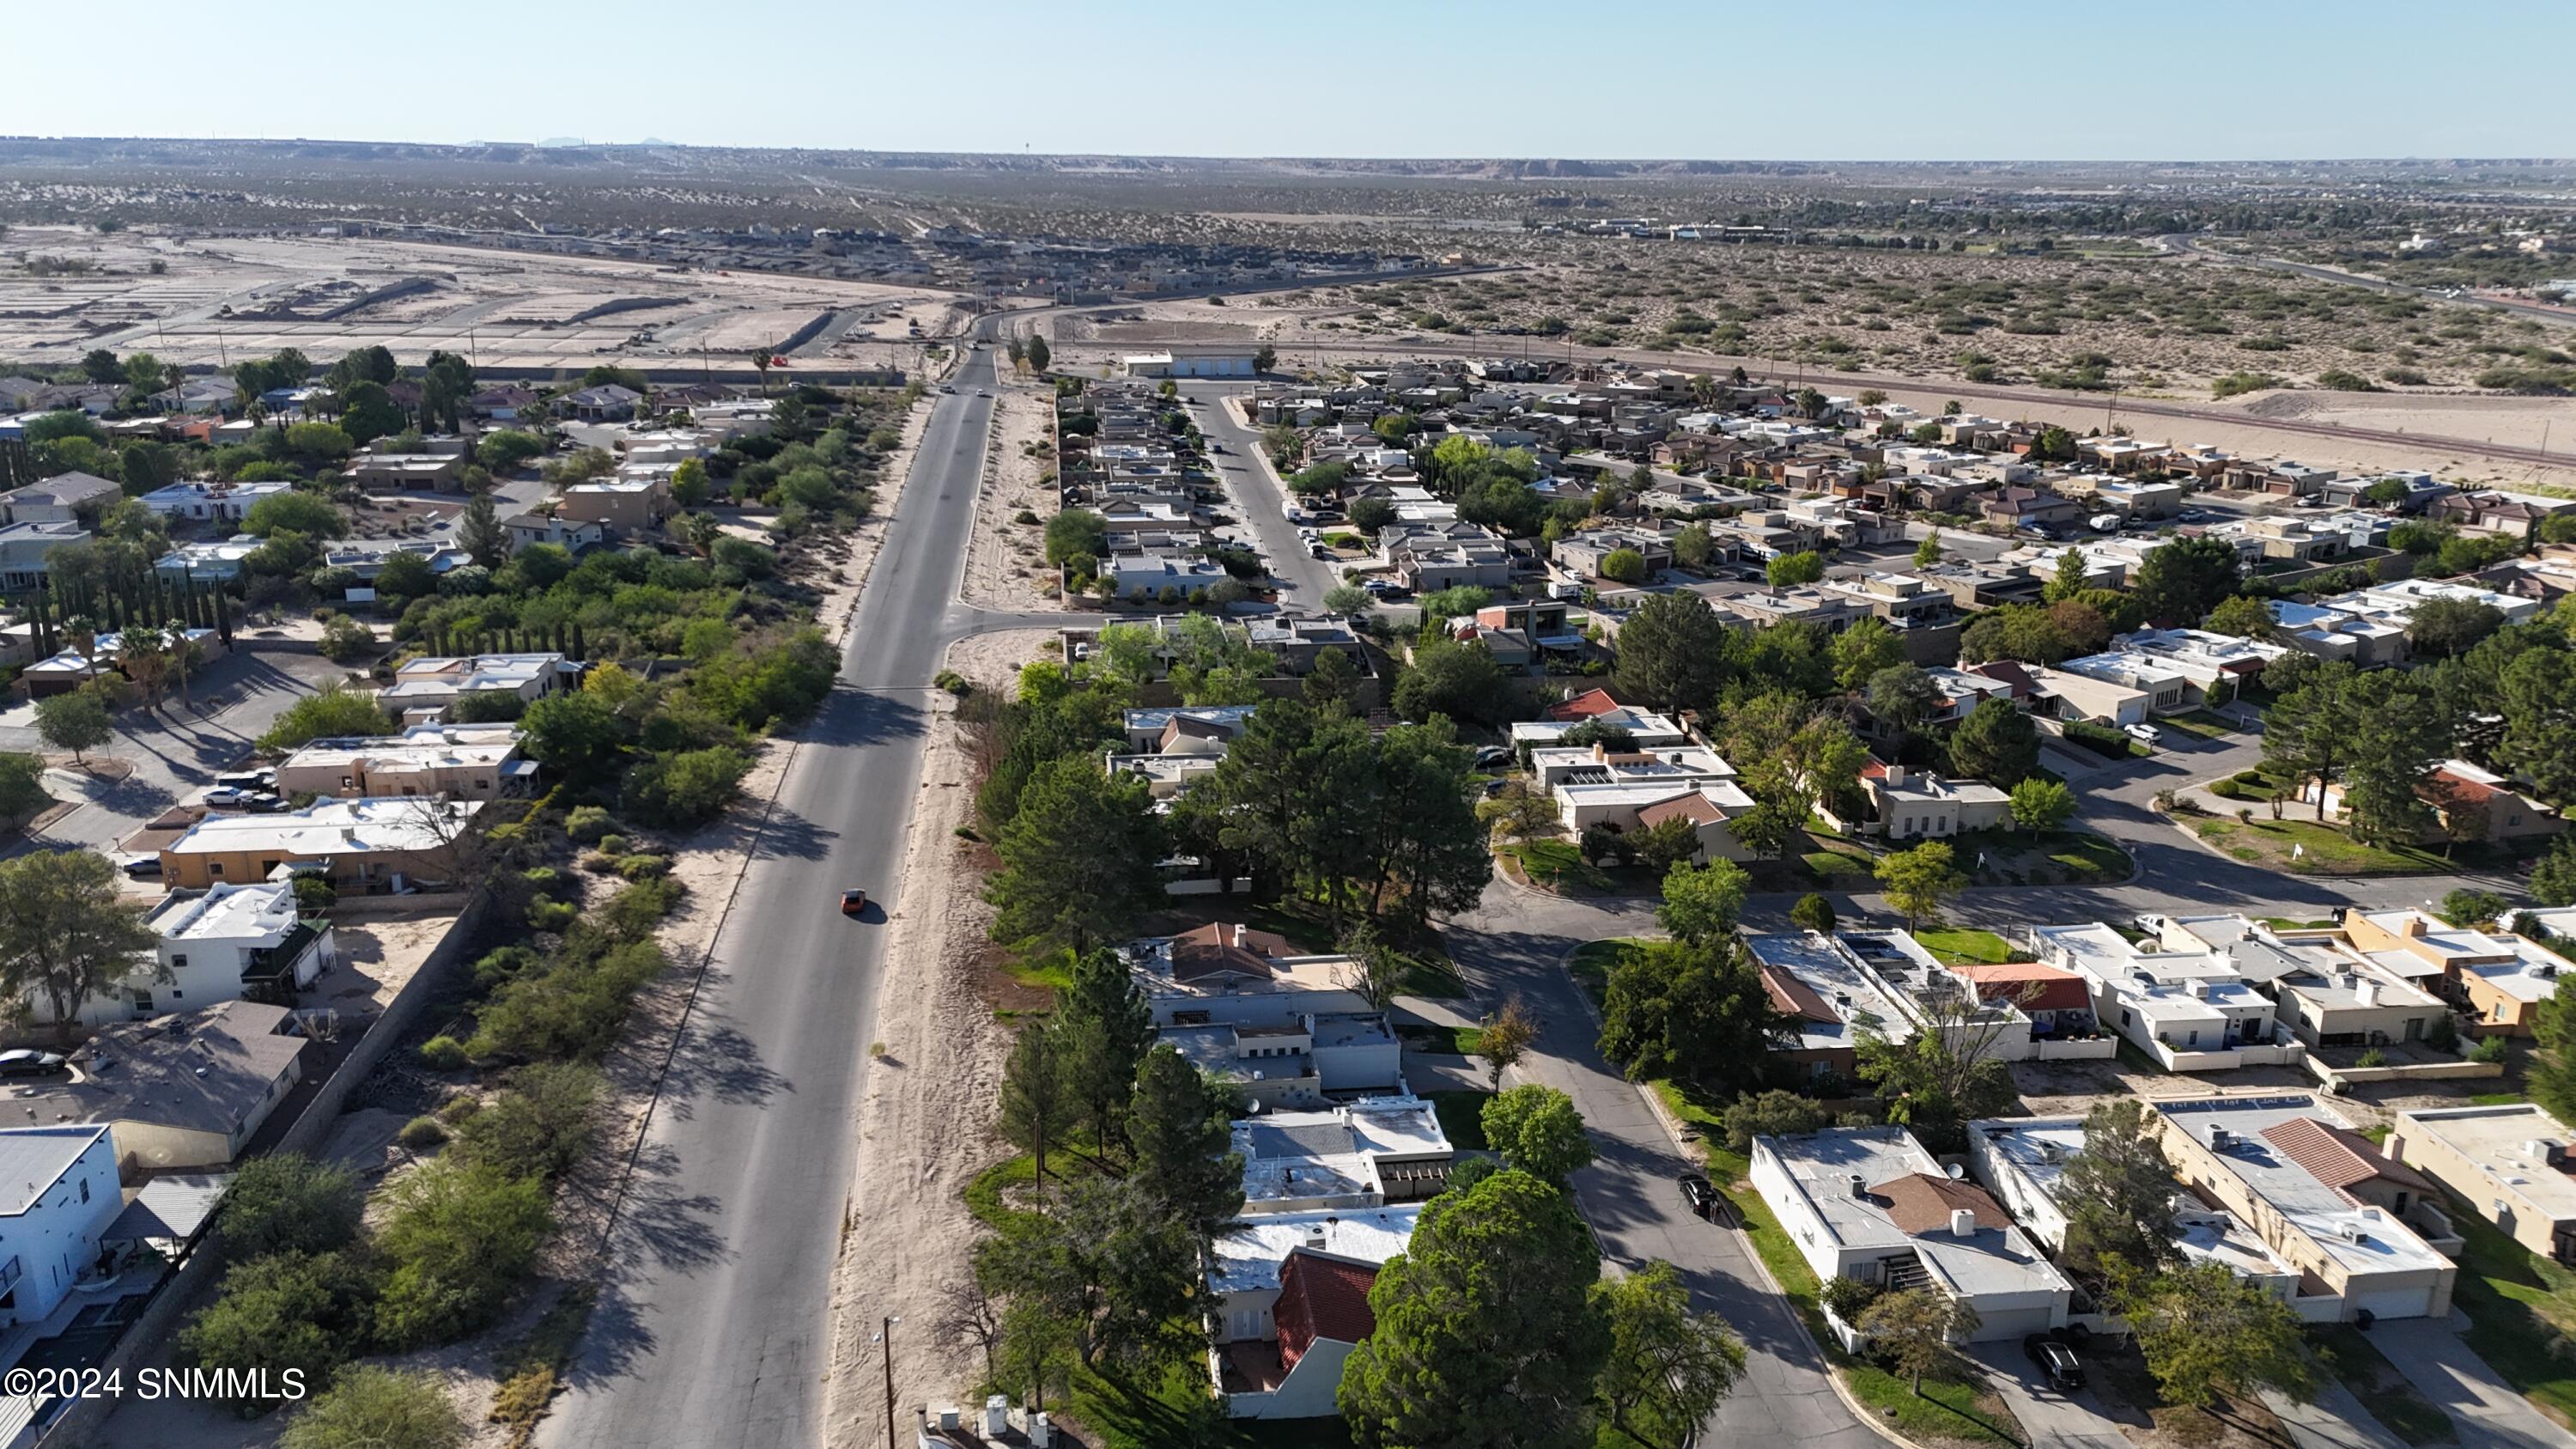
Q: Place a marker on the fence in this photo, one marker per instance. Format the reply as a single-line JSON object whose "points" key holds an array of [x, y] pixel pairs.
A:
{"points": [[181, 1289]]}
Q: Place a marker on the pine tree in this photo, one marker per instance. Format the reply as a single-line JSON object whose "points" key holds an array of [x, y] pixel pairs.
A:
{"points": [[580, 651]]}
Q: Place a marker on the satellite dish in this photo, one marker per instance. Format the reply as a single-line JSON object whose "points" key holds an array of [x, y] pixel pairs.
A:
{"points": [[1955, 1171]]}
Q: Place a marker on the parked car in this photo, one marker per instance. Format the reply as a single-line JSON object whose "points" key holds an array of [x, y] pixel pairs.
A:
{"points": [[1699, 1195], [1319, 551], [247, 779], [263, 802], [25, 1062], [2058, 1362], [2146, 732], [223, 797], [1492, 755], [141, 867], [1216, 447]]}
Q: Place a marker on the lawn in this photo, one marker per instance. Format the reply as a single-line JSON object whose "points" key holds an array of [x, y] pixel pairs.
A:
{"points": [[2495, 1099], [1443, 1040], [2321, 849], [2520, 1305], [1462, 1117], [1591, 962], [1558, 866], [2055, 857], [1828, 855], [2198, 722], [2284, 923], [1958, 946], [2384, 1391]]}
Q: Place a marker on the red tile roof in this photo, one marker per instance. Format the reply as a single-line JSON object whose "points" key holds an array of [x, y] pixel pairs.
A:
{"points": [[2029, 985], [1217, 949], [1694, 807], [1795, 997], [2341, 1160], [1583, 706], [1321, 1297], [2443, 784], [1920, 1203]]}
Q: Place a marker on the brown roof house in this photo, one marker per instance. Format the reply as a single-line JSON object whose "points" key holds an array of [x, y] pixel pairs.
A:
{"points": [[185, 1091]]}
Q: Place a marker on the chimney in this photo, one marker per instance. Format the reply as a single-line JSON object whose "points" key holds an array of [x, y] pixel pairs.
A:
{"points": [[2370, 993], [1963, 1223], [2414, 923], [1895, 775]]}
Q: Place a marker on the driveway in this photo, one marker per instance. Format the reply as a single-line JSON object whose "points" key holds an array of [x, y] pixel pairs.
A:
{"points": [[2486, 1412], [2073, 1421]]}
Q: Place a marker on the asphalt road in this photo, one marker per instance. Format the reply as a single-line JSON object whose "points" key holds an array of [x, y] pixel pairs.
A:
{"points": [[1261, 503], [712, 1329], [2559, 315]]}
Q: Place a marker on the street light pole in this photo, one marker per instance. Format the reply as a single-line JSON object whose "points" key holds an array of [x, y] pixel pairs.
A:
{"points": [[885, 1335]]}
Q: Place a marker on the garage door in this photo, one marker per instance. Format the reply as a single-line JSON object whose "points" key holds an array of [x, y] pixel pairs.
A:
{"points": [[2011, 1323], [2396, 1302]]}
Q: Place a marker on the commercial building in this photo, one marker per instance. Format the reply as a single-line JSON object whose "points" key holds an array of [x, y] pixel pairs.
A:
{"points": [[1868, 1203]]}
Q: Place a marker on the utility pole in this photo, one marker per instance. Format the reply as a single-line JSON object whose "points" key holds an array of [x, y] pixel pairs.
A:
{"points": [[885, 1335]]}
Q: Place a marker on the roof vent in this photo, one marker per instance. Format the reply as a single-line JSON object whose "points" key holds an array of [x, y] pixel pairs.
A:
{"points": [[1963, 1222]]}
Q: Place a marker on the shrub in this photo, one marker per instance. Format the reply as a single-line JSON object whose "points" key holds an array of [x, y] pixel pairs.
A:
{"points": [[281, 1312], [587, 823], [572, 1008], [951, 681], [443, 1053], [459, 1241], [612, 844], [2443, 1035], [546, 915], [539, 1126], [289, 1203], [687, 787], [370, 1407], [644, 867], [2226, 789], [1849, 1298], [346, 641], [2101, 739], [422, 1133], [2249, 777], [2488, 1049], [2373, 1057]]}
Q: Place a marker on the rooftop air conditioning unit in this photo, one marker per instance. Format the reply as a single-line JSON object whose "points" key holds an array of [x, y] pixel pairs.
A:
{"points": [[2221, 1139], [1859, 1185]]}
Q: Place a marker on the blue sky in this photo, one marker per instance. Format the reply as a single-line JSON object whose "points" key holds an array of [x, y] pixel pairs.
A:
{"points": [[2070, 79]]}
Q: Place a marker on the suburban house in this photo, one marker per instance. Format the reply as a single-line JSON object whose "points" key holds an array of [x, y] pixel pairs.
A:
{"points": [[2368, 626], [619, 505], [1596, 787], [1430, 562], [51, 1224], [1710, 809], [1360, 1154], [2059, 695], [1581, 555], [2022, 1161], [2021, 507], [1868, 1203], [211, 502], [1905, 804], [227, 943], [425, 687], [607, 403], [1145, 578], [2507, 1163], [529, 528], [1200, 729], [2321, 1196], [26, 550], [2469, 803], [2189, 1008], [64, 498], [464, 762], [400, 472], [207, 561], [1650, 730], [1282, 1030], [367, 845], [1829, 997], [2500, 980], [1289, 1301], [181, 1092]]}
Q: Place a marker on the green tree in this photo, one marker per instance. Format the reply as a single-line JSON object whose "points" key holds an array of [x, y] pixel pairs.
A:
{"points": [[1346, 599], [367, 413], [1107, 1027], [1694, 1012], [2307, 730], [683, 788], [2068, 580], [1537, 1130], [1813, 912], [2536, 694], [1902, 697], [286, 1202], [2041, 804], [1694, 546], [1917, 1328], [2447, 628], [302, 512], [1077, 860], [330, 712], [1863, 650], [508, 450], [2242, 616], [1485, 1330], [1039, 1100], [1369, 515], [2208, 1335], [576, 734], [1917, 882], [1179, 1122], [22, 786], [457, 1242], [1504, 1037], [1039, 353], [67, 933], [371, 1407], [2186, 578], [1789, 570], [1996, 743], [2398, 735], [2553, 877], [1076, 536], [1672, 653], [2118, 1196], [1624, 566], [1928, 553], [283, 1313], [1773, 1113], [76, 721], [1459, 680], [478, 531], [540, 1126], [1702, 906], [1669, 1367]]}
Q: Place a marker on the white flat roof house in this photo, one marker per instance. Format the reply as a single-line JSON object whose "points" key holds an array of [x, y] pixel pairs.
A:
{"points": [[2321, 1196], [1869, 1203], [1649, 729], [2191, 1010], [1361, 1154], [51, 1223], [2022, 1161], [226, 943]]}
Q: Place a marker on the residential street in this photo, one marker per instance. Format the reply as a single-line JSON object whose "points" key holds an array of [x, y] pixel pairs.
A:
{"points": [[1303, 578], [712, 1327]]}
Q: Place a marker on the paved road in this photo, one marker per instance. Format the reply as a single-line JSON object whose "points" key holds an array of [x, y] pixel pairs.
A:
{"points": [[712, 1331], [1515, 945], [2487, 1413], [1259, 502], [2191, 246]]}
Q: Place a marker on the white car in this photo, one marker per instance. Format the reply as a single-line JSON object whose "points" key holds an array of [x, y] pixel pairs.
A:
{"points": [[2146, 732]]}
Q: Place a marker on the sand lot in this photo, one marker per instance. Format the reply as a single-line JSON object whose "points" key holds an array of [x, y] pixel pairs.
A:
{"points": [[221, 299]]}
